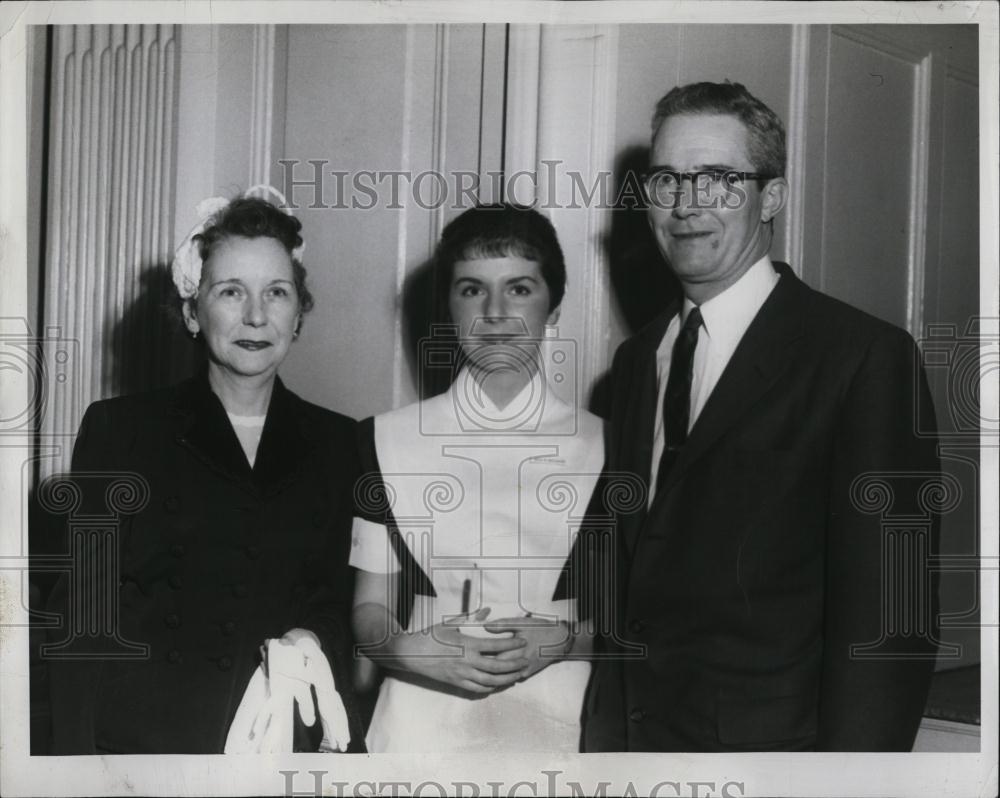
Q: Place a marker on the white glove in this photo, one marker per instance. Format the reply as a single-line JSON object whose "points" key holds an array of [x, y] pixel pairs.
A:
{"points": [[265, 718], [255, 703]]}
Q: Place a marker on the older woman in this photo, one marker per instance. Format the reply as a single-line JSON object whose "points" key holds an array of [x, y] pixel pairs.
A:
{"points": [[245, 536], [470, 509]]}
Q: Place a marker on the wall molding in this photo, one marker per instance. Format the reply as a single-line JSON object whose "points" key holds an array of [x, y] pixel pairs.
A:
{"points": [[919, 168], [798, 107], [956, 72], [398, 355], [595, 274], [418, 229], [577, 116], [262, 105], [439, 135], [524, 56], [268, 95], [883, 42], [491, 110], [818, 144]]}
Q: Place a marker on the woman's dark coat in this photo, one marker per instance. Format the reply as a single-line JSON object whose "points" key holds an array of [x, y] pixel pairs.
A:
{"points": [[221, 558]]}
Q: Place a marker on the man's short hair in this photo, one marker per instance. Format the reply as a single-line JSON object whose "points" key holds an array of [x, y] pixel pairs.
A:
{"points": [[766, 133]]}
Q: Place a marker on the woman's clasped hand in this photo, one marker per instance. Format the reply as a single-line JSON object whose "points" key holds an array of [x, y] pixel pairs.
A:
{"points": [[452, 653], [545, 640]]}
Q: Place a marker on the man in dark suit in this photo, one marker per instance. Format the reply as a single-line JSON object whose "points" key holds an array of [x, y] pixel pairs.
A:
{"points": [[751, 605]]}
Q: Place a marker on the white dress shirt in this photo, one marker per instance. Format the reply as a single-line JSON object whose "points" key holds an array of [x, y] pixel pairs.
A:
{"points": [[248, 431], [725, 318]]}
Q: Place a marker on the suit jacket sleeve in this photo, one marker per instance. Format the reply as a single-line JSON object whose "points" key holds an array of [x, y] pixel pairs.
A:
{"points": [[590, 575], [872, 699]]}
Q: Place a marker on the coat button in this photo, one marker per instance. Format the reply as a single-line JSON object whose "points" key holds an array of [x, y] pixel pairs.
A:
{"points": [[174, 581], [636, 625], [225, 663], [636, 715], [173, 620], [228, 628], [253, 552], [171, 503], [240, 591], [173, 656], [177, 549]]}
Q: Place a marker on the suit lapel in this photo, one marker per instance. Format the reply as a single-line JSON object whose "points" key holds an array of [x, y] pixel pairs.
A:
{"points": [[284, 443], [766, 350], [202, 427]]}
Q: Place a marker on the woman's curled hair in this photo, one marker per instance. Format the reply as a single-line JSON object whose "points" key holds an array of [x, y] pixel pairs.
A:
{"points": [[251, 217]]}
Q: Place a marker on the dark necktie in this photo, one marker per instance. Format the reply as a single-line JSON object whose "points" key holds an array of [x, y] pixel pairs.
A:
{"points": [[677, 398]]}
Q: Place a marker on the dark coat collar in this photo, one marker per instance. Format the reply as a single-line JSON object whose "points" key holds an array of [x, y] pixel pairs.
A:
{"points": [[762, 355], [766, 350], [650, 336], [202, 426], [634, 446]]}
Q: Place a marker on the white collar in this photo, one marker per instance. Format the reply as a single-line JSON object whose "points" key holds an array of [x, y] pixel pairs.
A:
{"points": [[523, 413], [727, 315]]}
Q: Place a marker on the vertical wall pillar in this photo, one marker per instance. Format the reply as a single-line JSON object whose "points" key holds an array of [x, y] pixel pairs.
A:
{"points": [[561, 117], [110, 211]]}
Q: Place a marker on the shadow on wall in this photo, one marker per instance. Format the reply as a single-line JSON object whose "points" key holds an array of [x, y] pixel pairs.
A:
{"points": [[641, 283], [150, 346], [430, 343]]}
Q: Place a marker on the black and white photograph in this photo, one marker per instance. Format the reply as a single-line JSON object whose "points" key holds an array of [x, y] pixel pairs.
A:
{"points": [[499, 399]]}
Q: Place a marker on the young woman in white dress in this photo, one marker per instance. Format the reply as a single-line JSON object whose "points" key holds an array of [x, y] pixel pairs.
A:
{"points": [[470, 509]]}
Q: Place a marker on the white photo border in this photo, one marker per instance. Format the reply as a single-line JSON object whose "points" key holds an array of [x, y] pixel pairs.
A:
{"points": [[799, 774]]}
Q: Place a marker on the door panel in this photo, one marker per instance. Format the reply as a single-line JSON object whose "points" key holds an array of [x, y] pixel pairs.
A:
{"points": [[866, 229]]}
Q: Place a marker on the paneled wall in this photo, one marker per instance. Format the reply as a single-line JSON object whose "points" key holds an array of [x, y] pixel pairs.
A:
{"points": [[364, 101], [876, 116], [892, 105], [651, 60]]}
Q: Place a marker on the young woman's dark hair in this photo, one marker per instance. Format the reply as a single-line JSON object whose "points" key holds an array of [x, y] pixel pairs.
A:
{"points": [[501, 230]]}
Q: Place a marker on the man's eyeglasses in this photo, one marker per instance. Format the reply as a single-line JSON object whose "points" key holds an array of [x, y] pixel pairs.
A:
{"points": [[663, 185]]}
